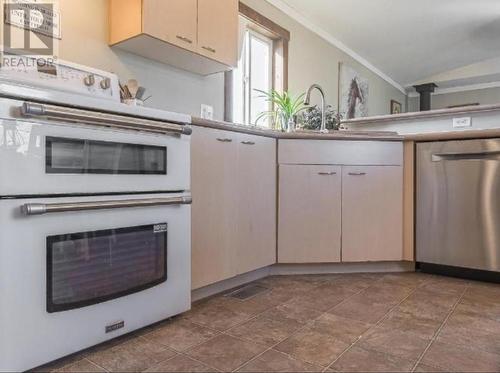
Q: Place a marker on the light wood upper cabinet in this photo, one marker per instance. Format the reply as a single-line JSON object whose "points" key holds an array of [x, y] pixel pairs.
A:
{"points": [[218, 30], [256, 184], [233, 183], [200, 36], [214, 190], [372, 213], [125, 20], [309, 225], [173, 21]]}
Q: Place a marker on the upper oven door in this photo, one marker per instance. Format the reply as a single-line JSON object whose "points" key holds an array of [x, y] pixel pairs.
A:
{"points": [[51, 156]]}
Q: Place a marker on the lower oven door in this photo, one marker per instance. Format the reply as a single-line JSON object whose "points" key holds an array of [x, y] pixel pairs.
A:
{"points": [[76, 272]]}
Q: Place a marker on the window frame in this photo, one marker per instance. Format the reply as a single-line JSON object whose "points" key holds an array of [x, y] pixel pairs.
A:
{"points": [[247, 81], [280, 38]]}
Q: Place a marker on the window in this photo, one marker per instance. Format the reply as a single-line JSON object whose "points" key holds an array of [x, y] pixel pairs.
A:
{"points": [[262, 66], [254, 73]]}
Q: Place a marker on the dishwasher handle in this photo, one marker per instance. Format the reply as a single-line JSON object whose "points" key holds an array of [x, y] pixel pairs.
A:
{"points": [[467, 156], [30, 209]]}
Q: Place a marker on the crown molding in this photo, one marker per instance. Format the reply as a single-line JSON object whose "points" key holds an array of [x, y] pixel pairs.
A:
{"points": [[464, 88], [291, 12]]}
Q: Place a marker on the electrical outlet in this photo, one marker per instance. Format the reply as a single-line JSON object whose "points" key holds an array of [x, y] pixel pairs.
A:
{"points": [[207, 112], [462, 122]]}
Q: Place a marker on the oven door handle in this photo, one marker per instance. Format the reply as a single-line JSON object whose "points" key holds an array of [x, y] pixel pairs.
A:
{"points": [[30, 209], [34, 110]]}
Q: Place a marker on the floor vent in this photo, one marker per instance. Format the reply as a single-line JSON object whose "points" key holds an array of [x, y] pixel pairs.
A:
{"points": [[247, 292]]}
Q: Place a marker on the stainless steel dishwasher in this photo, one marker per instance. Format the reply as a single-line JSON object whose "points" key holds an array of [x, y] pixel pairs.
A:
{"points": [[458, 205]]}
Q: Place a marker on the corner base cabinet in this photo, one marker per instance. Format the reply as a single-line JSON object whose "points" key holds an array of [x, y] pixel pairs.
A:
{"points": [[233, 178], [340, 201]]}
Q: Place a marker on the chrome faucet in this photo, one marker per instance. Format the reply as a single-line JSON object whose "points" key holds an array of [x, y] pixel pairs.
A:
{"points": [[307, 101]]}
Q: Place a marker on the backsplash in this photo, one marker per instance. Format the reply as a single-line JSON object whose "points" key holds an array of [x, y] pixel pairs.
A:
{"points": [[173, 89]]}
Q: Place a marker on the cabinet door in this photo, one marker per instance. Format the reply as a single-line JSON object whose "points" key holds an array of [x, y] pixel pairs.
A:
{"points": [[256, 201], [309, 223], [213, 170], [372, 213], [174, 21], [218, 30]]}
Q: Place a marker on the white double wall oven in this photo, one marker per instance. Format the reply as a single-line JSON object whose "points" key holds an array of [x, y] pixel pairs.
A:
{"points": [[94, 228]]}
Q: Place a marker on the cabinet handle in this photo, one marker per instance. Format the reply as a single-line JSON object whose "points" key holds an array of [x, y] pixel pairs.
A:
{"points": [[327, 173], [248, 143], [224, 139], [209, 49], [183, 38], [357, 173]]}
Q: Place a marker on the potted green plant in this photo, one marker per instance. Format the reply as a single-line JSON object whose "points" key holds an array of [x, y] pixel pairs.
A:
{"points": [[310, 119], [285, 109]]}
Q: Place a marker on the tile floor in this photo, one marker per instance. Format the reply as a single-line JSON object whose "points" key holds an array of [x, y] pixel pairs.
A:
{"points": [[345, 323]]}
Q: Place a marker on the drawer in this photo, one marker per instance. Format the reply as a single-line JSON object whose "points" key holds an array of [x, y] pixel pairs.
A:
{"points": [[340, 152]]}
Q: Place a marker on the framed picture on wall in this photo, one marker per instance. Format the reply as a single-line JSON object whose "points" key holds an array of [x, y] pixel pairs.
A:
{"points": [[396, 107], [353, 92]]}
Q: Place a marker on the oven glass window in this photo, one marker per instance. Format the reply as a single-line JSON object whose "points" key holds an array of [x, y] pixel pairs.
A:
{"points": [[75, 156], [92, 267]]}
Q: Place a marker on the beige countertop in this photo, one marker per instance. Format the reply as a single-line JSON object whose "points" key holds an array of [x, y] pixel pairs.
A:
{"points": [[312, 135], [424, 114], [370, 134]]}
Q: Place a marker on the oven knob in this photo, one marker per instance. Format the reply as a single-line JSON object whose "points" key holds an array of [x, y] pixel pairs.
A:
{"points": [[105, 83], [89, 80]]}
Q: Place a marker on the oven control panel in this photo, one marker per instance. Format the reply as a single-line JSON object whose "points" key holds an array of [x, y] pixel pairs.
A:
{"points": [[62, 76]]}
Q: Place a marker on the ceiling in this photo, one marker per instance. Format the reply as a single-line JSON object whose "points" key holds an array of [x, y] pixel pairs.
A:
{"points": [[407, 40]]}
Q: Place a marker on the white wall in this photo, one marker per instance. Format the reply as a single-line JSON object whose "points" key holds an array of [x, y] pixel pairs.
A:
{"points": [[477, 71], [444, 100], [311, 60]]}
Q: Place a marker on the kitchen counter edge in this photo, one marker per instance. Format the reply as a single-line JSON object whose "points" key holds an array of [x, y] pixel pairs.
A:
{"points": [[423, 114], [339, 135]]}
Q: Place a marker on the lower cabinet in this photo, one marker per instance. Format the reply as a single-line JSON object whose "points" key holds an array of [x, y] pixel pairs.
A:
{"points": [[330, 214], [233, 183], [213, 216], [309, 224], [256, 203], [326, 213], [372, 213]]}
